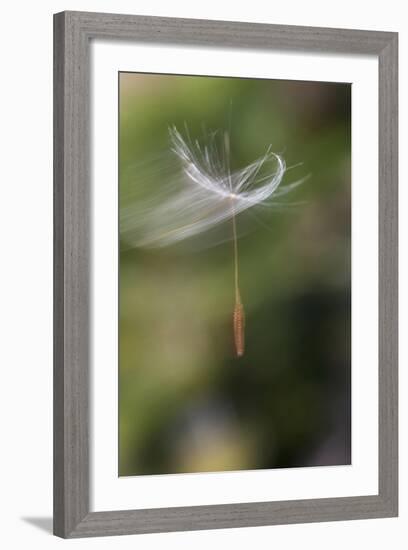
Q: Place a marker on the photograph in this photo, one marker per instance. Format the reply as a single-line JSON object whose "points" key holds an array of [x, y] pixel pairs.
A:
{"points": [[234, 274]]}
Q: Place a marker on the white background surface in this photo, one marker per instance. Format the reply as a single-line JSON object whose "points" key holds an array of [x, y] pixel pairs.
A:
{"points": [[109, 492], [26, 274]]}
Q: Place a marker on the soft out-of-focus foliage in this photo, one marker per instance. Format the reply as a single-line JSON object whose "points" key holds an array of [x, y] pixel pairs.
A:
{"points": [[186, 403]]}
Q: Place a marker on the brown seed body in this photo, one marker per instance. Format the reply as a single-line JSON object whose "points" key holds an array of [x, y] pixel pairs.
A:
{"points": [[239, 329]]}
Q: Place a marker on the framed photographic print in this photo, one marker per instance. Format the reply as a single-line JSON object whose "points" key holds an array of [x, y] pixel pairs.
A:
{"points": [[225, 280]]}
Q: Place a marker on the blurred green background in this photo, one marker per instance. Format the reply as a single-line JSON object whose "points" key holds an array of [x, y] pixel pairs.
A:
{"points": [[186, 403]]}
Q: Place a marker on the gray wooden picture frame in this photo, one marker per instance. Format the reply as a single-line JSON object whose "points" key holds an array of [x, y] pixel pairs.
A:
{"points": [[72, 34]]}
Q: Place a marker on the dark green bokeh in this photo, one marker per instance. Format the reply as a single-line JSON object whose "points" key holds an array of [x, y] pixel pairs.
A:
{"points": [[186, 404]]}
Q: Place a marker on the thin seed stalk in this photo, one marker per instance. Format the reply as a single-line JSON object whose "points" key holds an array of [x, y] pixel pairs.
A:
{"points": [[239, 314]]}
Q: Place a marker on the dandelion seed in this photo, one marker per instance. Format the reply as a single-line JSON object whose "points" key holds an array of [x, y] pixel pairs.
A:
{"points": [[241, 189], [206, 193]]}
